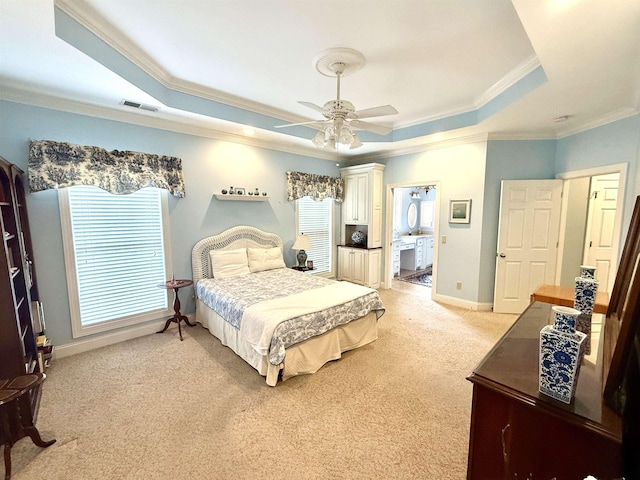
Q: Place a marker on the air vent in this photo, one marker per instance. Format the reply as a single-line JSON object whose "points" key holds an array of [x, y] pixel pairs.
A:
{"points": [[140, 106]]}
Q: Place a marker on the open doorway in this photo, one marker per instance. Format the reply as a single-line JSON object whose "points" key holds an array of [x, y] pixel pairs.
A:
{"points": [[590, 226], [411, 257]]}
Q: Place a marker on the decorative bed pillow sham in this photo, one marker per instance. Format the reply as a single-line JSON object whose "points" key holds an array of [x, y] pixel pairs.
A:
{"points": [[229, 263], [261, 259]]}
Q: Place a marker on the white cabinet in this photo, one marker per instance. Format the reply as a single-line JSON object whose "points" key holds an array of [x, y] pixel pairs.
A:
{"points": [[362, 211], [396, 257], [420, 251], [360, 265], [416, 254], [362, 205], [428, 251], [356, 199]]}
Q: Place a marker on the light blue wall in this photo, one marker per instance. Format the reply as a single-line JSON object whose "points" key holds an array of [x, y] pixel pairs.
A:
{"points": [[209, 166], [617, 142], [460, 171], [507, 160], [470, 171]]}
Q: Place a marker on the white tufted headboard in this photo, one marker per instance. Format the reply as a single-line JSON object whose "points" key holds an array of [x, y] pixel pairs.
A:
{"points": [[236, 237]]}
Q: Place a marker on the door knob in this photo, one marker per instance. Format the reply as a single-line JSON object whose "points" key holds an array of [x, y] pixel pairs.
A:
{"points": [[502, 255]]}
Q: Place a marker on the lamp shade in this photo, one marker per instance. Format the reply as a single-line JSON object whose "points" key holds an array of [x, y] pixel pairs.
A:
{"points": [[302, 243]]}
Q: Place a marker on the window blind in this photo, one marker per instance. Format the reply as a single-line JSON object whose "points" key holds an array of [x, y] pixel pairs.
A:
{"points": [[315, 219], [119, 253]]}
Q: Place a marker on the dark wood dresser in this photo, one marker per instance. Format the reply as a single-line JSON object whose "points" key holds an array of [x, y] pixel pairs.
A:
{"points": [[519, 433]]}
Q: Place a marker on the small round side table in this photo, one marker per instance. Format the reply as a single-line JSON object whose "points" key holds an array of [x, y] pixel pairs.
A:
{"points": [[16, 419], [177, 316]]}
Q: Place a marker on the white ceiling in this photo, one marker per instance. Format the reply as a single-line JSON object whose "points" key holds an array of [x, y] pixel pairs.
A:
{"points": [[432, 59]]}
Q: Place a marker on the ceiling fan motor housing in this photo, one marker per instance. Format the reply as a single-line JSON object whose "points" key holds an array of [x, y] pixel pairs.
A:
{"points": [[338, 109]]}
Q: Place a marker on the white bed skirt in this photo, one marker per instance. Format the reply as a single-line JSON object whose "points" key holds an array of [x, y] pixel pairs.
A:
{"points": [[305, 357]]}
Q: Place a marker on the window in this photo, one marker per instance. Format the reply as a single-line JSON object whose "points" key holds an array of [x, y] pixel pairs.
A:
{"points": [[427, 212], [116, 254], [315, 219]]}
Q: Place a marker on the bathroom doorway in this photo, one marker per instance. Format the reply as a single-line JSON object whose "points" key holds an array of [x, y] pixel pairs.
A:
{"points": [[411, 255]]}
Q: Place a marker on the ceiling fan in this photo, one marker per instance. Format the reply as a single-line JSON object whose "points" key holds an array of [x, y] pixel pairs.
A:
{"points": [[342, 120]]}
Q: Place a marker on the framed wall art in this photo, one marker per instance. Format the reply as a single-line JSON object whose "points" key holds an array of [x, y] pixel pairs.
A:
{"points": [[460, 211]]}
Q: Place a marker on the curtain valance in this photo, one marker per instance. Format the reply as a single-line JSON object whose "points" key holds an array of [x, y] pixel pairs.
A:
{"points": [[318, 187], [61, 164]]}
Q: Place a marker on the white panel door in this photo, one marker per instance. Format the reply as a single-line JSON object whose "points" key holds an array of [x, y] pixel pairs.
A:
{"points": [[601, 242], [528, 235]]}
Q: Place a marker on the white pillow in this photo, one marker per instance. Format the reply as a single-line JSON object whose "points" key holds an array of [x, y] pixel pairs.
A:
{"points": [[265, 259], [228, 263]]}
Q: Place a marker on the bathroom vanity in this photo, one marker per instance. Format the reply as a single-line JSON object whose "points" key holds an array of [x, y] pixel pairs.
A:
{"points": [[412, 252]]}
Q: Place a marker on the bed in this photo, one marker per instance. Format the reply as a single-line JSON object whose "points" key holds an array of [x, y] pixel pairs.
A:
{"points": [[281, 321]]}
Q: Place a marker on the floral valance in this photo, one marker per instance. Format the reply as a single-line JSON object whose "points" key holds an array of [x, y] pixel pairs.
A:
{"points": [[61, 164], [318, 187]]}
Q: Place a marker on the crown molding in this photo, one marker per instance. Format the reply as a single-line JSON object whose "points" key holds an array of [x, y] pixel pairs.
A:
{"points": [[423, 147], [89, 18], [160, 120], [506, 82], [506, 136], [502, 85], [609, 117], [437, 116]]}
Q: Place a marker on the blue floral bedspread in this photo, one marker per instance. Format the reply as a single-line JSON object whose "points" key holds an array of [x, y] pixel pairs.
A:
{"points": [[229, 297]]}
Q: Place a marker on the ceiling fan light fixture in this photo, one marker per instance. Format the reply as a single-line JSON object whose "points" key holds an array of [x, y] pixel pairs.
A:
{"points": [[355, 143], [330, 144], [340, 115], [318, 140], [328, 133], [346, 136]]}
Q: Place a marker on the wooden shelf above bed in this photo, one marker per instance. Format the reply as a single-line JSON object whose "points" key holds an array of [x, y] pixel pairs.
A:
{"points": [[241, 198]]}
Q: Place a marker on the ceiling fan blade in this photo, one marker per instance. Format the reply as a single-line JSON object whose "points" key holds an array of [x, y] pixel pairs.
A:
{"points": [[312, 106], [375, 112], [371, 127], [317, 124]]}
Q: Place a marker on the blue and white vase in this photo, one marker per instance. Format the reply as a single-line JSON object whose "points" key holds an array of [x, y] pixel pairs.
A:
{"points": [[561, 353], [585, 299], [358, 237]]}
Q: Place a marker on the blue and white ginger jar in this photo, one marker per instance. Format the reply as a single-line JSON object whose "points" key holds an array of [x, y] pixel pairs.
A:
{"points": [[358, 237], [561, 353], [585, 299]]}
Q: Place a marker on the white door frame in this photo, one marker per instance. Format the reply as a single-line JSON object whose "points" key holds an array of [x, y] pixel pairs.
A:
{"points": [[620, 168], [387, 270]]}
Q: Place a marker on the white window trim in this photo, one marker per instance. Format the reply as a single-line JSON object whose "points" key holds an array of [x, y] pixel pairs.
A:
{"points": [[79, 330], [332, 272]]}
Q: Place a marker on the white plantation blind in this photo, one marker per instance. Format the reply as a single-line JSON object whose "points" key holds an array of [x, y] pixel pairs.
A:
{"points": [[118, 245], [315, 219]]}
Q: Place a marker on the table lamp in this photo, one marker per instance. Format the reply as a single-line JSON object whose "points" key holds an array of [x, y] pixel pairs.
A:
{"points": [[301, 244]]}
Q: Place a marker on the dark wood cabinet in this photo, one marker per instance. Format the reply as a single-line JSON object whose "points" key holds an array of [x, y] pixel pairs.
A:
{"points": [[517, 432], [18, 287]]}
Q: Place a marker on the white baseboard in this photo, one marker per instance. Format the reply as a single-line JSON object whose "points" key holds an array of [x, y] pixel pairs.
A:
{"points": [[98, 341], [459, 302]]}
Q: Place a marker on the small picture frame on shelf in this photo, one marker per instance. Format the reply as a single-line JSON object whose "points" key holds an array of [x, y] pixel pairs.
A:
{"points": [[310, 264], [460, 211], [239, 191]]}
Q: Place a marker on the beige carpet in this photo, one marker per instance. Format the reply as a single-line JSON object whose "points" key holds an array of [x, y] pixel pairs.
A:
{"points": [[158, 408]]}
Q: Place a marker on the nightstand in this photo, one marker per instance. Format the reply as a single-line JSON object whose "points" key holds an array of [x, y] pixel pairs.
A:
{"points": [[301, 269]]}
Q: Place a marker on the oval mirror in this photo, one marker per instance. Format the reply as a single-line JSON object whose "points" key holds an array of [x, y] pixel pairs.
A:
{"points": [[412, 215]]}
